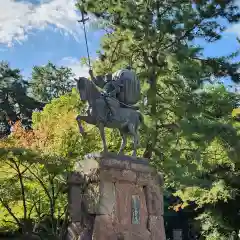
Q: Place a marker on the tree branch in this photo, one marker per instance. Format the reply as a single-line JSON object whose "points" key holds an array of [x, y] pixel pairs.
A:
{"points": [[6, 206], [114, 50], [197, 24], [41, 183], [20, 176]]}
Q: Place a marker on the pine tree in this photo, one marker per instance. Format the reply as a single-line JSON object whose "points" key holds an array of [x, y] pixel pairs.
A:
{"points": [[190, 135], [15, 103], [50, 82], [152, 36]]}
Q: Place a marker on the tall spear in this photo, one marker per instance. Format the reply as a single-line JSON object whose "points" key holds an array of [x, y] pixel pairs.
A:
{"points": [[83, 20]]}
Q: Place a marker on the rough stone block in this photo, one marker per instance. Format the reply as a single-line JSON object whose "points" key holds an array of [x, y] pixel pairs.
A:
{"points": [[103, 228], [124, 188], [132, 232], [117, 175], [157, 200], [92, 198], [110, 174], [115, 163], [157, 178], [75, 198], [107, 198], [139, 235], [154, 200], [156, 227], [87, 166], [123, 210], [75, 178], [140, 167], [129, 176], [74, 229], [136, 235], [143, 178], [124, 193]]}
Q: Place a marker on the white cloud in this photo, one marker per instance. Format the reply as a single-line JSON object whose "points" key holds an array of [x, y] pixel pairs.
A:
{"points": [[75, 65], [235, 28], [19, 18]]}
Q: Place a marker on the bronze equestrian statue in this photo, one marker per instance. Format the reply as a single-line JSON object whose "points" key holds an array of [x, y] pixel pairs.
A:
{"points": [[114, 107]]}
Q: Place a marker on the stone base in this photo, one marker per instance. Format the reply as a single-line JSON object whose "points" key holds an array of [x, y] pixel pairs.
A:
{"points": [[123, 193]]}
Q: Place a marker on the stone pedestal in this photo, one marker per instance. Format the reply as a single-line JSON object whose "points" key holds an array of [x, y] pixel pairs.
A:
{"points": [[121, 194]]}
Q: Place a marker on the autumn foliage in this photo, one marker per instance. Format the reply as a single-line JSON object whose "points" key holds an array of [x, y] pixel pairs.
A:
{"points": [[22, 137]]}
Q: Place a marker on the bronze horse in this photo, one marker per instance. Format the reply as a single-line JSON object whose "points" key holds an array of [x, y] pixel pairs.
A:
{"points": [[126, 120]]}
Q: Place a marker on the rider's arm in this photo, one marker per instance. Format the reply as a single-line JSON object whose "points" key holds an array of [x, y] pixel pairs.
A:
{"points": [[117, 87], [98, 80], [116, 90], [91, 74]]}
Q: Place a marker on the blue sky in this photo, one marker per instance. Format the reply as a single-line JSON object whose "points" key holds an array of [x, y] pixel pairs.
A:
{"points": [[47, 46], [33, 32]]}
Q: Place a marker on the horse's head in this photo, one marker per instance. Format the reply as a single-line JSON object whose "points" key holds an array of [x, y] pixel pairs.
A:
{"points": [[82, 87], [87, 90]]}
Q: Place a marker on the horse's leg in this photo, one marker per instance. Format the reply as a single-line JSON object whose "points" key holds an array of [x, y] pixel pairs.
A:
{"points": [[87, 119], [102, 133], [124, 141], [81, 129], [134, 134]]}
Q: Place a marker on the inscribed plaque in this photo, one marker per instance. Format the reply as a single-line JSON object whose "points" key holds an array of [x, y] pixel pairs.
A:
{"points": [[135, 209]]}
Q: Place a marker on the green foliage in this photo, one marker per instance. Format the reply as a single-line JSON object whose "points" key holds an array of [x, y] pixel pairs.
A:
{"points": [[155, 38], [31, 188], [150, 31], [15, 104], [189, 133], [40, 197], [58, 130], [206, 168], [50, 82]]}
